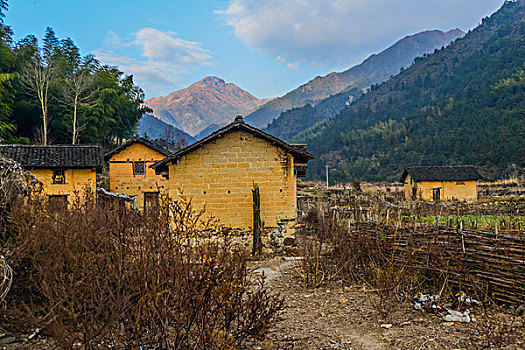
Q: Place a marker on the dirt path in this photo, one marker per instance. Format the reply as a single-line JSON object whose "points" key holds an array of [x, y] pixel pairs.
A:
{"points": [[338, 317], [314, 318]]}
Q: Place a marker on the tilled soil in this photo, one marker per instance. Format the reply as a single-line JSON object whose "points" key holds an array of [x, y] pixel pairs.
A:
{"points": [[338, 317]]}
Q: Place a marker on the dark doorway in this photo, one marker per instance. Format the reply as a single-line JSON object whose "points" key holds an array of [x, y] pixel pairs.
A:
{"points": [[414, 193], [57, 202], [151, 201], [436, 195]]}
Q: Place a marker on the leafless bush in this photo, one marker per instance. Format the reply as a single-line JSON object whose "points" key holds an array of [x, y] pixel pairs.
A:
{"points": [[15, 182], [112, 276], [364, 253]]}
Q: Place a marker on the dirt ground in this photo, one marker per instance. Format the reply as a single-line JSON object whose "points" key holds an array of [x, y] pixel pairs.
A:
{"points": [[335, 316], [338, 317]]}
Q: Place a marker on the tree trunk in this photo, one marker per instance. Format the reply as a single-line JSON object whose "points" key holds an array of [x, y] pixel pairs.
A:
{"points": [[74, 141]]}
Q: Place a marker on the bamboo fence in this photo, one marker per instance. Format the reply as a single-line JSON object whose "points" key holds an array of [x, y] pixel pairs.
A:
{"points": [[488, 264]]}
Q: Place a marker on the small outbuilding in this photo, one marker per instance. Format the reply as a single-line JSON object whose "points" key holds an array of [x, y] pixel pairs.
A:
{"points": [[64, 171], [434, 183], [220, 171], [130, 172]]}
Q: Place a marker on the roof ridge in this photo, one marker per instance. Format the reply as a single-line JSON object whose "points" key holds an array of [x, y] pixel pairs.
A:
{"points": [[237, 123]]}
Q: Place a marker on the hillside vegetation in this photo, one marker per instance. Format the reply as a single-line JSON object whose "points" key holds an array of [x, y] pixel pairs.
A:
{"points": [[292, 122], [464, 104]]}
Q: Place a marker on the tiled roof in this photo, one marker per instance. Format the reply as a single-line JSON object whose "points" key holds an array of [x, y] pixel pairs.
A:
{"points": [[140, 140], [299, 152], [441, 173], [63, 156]]}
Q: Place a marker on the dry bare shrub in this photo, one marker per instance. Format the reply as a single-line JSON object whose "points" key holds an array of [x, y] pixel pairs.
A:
{"points": [[15, 182], [360, 253], [107, 275]]}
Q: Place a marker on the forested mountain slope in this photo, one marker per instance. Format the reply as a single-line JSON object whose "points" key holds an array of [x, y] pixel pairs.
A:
{"points": [[292, 122], [375, 69], [464, 104]]}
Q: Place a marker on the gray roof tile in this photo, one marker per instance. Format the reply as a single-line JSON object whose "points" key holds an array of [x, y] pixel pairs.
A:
{"points": [[60, 156]]}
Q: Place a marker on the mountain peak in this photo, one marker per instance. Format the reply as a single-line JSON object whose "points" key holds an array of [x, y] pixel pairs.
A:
{"points": [[456, 31], [209, 81], [206, 102]]}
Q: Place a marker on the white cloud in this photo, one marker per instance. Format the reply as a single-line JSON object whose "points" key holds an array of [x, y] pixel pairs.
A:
{"points": [[291, 65], [163, 45], [163, 58], [341, 30]]}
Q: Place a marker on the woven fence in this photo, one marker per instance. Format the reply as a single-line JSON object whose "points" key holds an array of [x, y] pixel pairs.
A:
{"points": [[488, 264]]}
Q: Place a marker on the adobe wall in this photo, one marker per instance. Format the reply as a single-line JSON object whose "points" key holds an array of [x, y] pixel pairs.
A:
{"points": [[219, 176], [76, 180], [459, 190], [122, 180]]}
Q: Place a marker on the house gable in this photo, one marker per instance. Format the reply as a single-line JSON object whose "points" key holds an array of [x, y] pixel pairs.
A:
{"points": [[219, 177], [299, 152], [130, 172]]}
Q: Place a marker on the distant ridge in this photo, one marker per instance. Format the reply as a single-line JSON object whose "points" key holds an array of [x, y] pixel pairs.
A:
{"points": [[375, 69], [463, 104], [154, 128], [209, 101]]}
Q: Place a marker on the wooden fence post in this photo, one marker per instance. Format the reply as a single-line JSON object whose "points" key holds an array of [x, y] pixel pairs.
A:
{"points": [[257, 224]]}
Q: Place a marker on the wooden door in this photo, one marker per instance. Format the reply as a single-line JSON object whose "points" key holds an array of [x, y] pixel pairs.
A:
{"points": [[57, 202], [436, 195], [151, 201]]}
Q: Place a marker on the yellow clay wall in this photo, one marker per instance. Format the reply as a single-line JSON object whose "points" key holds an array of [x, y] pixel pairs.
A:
{"points": [[77, 180], [459, 190], [122, 180], [220, 176]]}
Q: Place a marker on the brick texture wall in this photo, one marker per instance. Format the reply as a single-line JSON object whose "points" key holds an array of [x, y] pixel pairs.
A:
{"points": [[122, 180], [220, 176], [76, 181]]}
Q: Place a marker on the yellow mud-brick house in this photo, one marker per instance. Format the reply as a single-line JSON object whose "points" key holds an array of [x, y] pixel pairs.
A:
{"points": [[220, 171], [434, 183], [64, 171], [130, 172]]}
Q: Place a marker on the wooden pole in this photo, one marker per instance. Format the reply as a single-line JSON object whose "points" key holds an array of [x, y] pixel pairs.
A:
{"points": [[257, 224]]}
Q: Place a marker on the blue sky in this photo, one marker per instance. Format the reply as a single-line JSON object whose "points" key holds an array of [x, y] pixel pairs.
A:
{"points": [[267, 47]]}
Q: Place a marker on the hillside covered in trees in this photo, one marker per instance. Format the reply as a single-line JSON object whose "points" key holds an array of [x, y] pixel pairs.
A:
{"points": [[464, 104], [53, 94], [375, 69]]}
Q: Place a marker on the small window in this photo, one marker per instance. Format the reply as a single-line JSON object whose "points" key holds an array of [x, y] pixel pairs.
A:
{"points": [[59, 176], [139, 168]]}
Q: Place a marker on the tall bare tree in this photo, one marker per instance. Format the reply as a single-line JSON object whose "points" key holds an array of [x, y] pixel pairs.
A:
{"points": [[78, 91], [37, 79]]}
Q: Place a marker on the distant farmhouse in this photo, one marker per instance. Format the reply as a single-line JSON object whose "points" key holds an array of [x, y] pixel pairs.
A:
{"points": [[64, 171], [219, 172], [434, 183], [130, 172]]}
